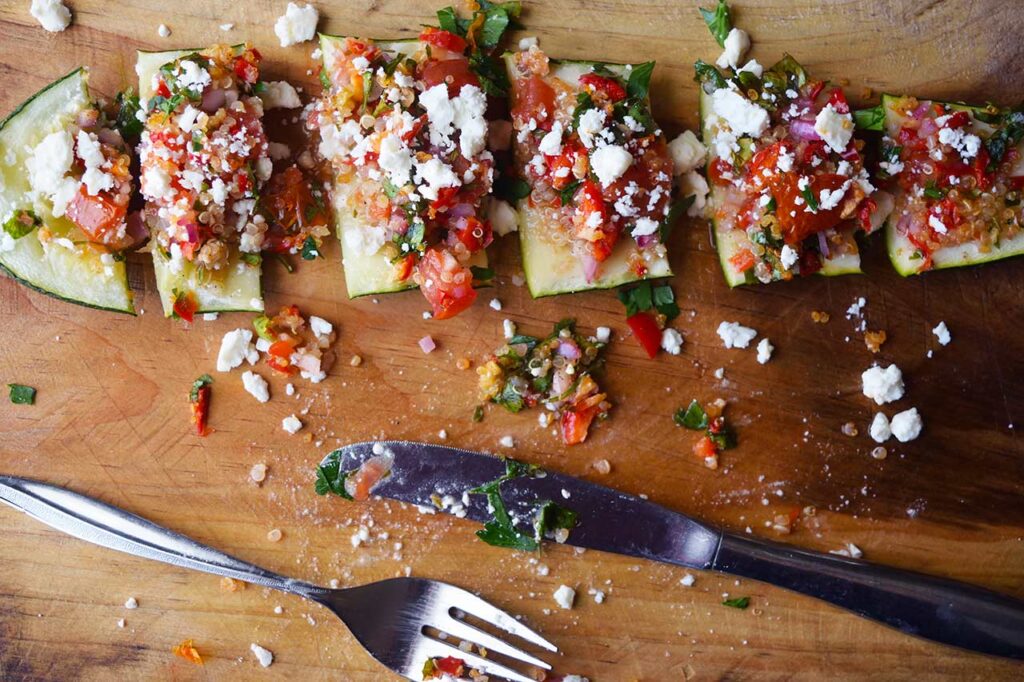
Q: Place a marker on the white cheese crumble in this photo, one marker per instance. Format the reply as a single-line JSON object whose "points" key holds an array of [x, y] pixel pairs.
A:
{"points": [[883, 385], [742, 116], [51, 14], [236, 347], [319, 326], [687, 580], [834, 128], [509, 328], [291, 424], [603, 334], [503, 217], [47, 165], [264, 656], [507, 442], [296, 25], [906, 425], [551, 143], [256, 386], [565, 596], [132, 603], [495, 304], [880, 431], [788, 256], [163, 31], [591, 123], [935, 222], [671, 341], [464, 113], [764, 351], [643, 227], [694, 185], [735, 47], [941, 332], [962, 141], [610, 162], [280, 95], [687, 152], [735, 335]]}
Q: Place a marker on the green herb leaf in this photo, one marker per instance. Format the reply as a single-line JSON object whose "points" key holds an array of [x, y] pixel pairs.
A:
{"points": [[933, 191], [389, 188], [21, 394], [693, 417], [22, 223], [719, 21], [447, 21], [583, 102], [325, 80], [511, 189], [870, 119], [1009, 135], [737, 603], [309, 249], [496, 22], [510, 398], [639, 82], [568, 193], [637, 299], [790, 70], [481, 274], [551, 517], [478, 413], [709, 76], [498, 535], [127, 121], [677, 209], [201, 382], [330, 478], [724, 440], [808, 195], [252, 258], [771, 206], [664, 300], [491, 72]]}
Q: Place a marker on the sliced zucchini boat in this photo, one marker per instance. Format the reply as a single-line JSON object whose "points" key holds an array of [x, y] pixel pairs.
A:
{"points": [[957, 172], [224, 279], [780, 148], [40, 246], [562, 254], [406, 190]]}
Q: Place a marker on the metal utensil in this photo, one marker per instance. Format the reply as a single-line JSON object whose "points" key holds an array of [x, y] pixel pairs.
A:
{"points": [[933, 608], [390, 618]]}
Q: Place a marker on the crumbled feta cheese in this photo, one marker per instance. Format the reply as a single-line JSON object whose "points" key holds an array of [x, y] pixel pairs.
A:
{"points": [[610, 162], [51, 14], [528, 42], [296, 25], [687, 580], [736, 45], [906, 425], [764, 350], [507, 442], [551, 143], [47, 165], [671, 341], [959, 139], [319, 326], [603, 334], [880, 431], [936, 224], [742, 116], [235, 347], [687, 152], [693, 184], [590, 124], [280, 95], [226, 27], [755, 67], [277, 152], [788, 256], [396, 159], [464, 112], [502, 216], [834, 128], [509, 328], [163, 31], [643, 227], [256, 386], [291, 424], [735, 335], [941, 332], [132, 603], [264, 656], [565, 596], [433, 175], [495, 304], [883, 385]]}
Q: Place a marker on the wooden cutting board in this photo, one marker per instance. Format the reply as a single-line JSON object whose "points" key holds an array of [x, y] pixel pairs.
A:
{"points": [[111, 417]]}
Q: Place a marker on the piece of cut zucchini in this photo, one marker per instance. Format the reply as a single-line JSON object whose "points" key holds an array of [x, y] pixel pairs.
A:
{"points": [[902, 253], [233, 288], [367, 274], [77, 275], [726, 240], [550, 266]]}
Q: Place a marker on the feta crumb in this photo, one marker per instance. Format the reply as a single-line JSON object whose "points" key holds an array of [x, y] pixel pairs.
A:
{"points": [[687, 580], [291, 424], [227, 27], [735, 335], [163, 31], [51, 14], [234, 348], [883, 385], [610, 162], [788, 256], [906, 425], [256, 386], [671, 341], [319, 326], [941, 332], [280, 95], [687, 152], [742, 116], [120, 622], [735, 47], [296, 25], [565, 596], [132, 603], [495, 304], [834, 128], [603, 334], [551, 143], [880, 431], [210, 317], [509, 328], [528, 42], [764, 351], [264, 656], [503, 217], [507, 442], [935, 222], [693, 184], [720, 373]]}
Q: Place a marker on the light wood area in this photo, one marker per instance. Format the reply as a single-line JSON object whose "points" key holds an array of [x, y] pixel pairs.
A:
{"points": [[111, 417]]}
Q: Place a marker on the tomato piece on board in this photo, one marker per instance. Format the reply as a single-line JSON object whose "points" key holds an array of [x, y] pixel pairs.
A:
{"points": [[576, 423], [446, 284], [533, 98], [645, 329], [201, 409], [705, 447], [185, 306]]}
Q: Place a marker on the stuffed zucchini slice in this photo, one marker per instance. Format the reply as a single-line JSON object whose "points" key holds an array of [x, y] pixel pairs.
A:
{"points": [[402, 126], [204, 161], [788, 189], [957, 173], [64, 191], [599, 173]]}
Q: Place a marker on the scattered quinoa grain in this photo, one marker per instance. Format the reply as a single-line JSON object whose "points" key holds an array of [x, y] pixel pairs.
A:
{"points": [[231, 585], [275, 535], [602, 466], [879, 452], [463, 363], [820, 316], [356, 361], [849, 429], [874, 340], [258, 473]]}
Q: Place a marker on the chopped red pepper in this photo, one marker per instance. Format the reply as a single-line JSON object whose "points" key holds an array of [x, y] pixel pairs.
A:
{"points": [[576, 423], [200, 408], [645, 329], [610, 87]]}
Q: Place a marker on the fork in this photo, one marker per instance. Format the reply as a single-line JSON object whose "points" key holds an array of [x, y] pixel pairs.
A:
{"points": [[391, 619]]}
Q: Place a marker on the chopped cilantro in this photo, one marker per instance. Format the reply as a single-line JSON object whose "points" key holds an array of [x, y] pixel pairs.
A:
{"points": [[252, 258], [583, 102], [389, 188], [550, 517], [309, 249], [933, 191], [481, 274], [718, 20], [325, 80], [812, 201], [262, 326], [567, 194], [1010, 133], [693, 417], [127, 121], [330, 478], [639, 81], [646, 296], [709, 76], [21, 394], [737, 603]]}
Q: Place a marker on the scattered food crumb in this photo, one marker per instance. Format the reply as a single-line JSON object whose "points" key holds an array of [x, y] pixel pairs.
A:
{"points": [[132, 603], [820, 316], [52, 15], [462, 363], [880, 431], [850, 550], [849, 429], [603, 334], [602, 466], [120, 622], [598, 595], [231, 585], [291, 424], [256, 386], [565, 596], [735, 335], [879, 452], [720, 373], [355, 361], [264, 656], [227, 27], [941, 332], [258, 472], [671, 341], [883, 385], [427, 344], [874, 340], [275, 535], [296, 25], [906, 425], [163, 31], [764, 350], [495, 304], [188, 651], [507, 442], [688, 580]]}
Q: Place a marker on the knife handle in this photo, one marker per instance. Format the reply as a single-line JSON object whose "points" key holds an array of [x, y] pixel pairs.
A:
{"points": [[941, 610]]}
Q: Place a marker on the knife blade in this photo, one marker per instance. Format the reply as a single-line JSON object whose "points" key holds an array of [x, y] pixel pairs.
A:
{"points": [[925, 606], [608, 520]]}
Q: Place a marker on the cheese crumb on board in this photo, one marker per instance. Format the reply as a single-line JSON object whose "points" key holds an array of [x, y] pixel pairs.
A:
{"points": [[906, 425], [131, 603], [941, 332], [565, 596], [264, 656], [163, 31], [880, 430], [883, 385], [671, 341], [256, 386], [764, 351], [51, 14], [235, 348], [291, 424], [280, 95], [735, 335]]}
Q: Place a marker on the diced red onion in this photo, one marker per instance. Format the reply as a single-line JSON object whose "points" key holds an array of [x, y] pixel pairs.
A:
{"points": [[560, 383], [427, 344], [568, 349], [590, 267], [646, 240], [109, 136], [850, 153], [921, 110], [462, 210], [135, 227], [213, 99], [803, 129], [823, 245]]}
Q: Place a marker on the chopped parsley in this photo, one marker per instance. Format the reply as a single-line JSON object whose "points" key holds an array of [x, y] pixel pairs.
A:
{"points": [[330, 478], [709, 76], [309, 249], [646, 296], [812, 201], [21, 394], [1010, 133], [695, 418]]}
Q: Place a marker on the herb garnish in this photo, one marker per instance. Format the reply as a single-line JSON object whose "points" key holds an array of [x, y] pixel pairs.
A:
{"points": [[646, 296], [21, 394], [127, 121], [812, 201], [330, 478], [309, 249], [737, 602], [719, 21], [717, 430], [1010, 133], [709, 76]]}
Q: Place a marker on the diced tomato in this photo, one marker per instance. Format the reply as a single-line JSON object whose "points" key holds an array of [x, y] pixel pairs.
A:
{"points": [[1016, 182], [560, 167], [589, 201], [533, 98], [979, 169], [705, 447], [576, 423], [447, 285], [720, 172], [445, 198], [451, 665], [475, 234], [909, 139], [815, 88], [743, 260], [185, 306], [838, 101], [279, 357], [367, 476], [812, 149], [957, 119], [404, 268], [947, 212], [796, 221], [162, 90], [188, 651], [645, 329], [609, 87], [98, 216], [867, 208], [414, 129], [201, 409], [444, 39], [246, 71], [455, 73]]}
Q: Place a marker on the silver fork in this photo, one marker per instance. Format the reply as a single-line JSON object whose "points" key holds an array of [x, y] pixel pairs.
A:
{"points": [[392, 619]]}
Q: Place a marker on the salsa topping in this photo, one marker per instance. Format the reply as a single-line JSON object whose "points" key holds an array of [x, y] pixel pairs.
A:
{"points": [[294, 344], [555, 372], [355, 484], [199, 400], [649, 309], [718, 435]]}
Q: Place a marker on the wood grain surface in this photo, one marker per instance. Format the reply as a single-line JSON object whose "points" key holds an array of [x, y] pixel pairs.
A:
{"points": [[111, 416]]}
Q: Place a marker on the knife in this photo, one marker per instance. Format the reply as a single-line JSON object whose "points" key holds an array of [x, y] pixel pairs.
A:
{"points": [[933, 608]]}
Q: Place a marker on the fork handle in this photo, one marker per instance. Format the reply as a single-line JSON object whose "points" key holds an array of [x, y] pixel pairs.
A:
{"points": [[109, 526], [934, 608]]}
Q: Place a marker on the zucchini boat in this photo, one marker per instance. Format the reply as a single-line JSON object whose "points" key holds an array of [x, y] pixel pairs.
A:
{"points": [[788, 186], [598, 169], [957, 173], [64, 191], [402, 126], [203, 158]]}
